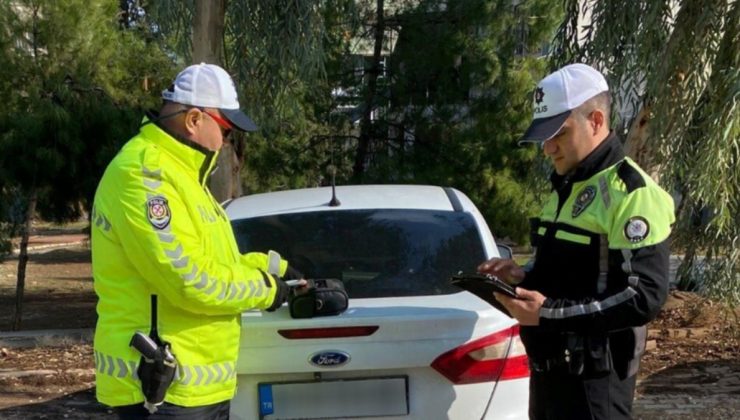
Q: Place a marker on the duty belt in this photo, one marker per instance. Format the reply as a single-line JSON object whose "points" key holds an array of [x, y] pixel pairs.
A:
{"points": [[546, 365], [570, 362]]}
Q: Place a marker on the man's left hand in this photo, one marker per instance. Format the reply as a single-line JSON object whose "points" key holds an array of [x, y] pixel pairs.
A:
{"points": [[525, 308]]}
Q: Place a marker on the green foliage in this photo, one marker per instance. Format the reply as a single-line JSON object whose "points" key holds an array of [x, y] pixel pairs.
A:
{"points": [[450, 104], [459, 85], [678, 62], [288, 46], [278, 53], [12, 212], [72, 83], [712, 140]]}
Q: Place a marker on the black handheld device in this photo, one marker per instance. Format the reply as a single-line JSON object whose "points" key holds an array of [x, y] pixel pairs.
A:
{"points": [[157, 366], [483, 286], [484, 281], [144, 345]]}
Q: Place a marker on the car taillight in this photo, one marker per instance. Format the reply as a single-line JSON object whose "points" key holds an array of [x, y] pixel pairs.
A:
{"points": [[496, 357]]}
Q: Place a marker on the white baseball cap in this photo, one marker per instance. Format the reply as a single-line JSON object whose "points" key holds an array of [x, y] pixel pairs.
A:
{"points": [[557, 95], [209, 86]]}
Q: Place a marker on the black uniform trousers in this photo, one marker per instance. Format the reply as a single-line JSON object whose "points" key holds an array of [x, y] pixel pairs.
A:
{"points": [[559, 395], [218, 411]]}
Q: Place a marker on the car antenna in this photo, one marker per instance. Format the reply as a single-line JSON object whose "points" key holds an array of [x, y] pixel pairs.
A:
{"points": [[334, 202]]}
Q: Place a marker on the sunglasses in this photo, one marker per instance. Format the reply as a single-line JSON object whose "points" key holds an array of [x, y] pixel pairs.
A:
{"points": [[224, 125]]}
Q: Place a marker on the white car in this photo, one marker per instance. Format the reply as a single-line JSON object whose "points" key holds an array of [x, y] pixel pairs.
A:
{"points": [[410, 345]]}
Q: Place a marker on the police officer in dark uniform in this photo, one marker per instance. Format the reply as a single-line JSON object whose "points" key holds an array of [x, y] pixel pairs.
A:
{"points": [[600, 269]]}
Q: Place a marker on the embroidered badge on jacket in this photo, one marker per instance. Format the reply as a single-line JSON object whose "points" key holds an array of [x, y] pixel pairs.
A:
{"points": [[585, 197], [636, 229], [158, 212]]}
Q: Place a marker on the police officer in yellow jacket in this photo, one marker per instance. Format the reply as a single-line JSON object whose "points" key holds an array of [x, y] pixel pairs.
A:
{"points": [[157, 230], [600, 270]]}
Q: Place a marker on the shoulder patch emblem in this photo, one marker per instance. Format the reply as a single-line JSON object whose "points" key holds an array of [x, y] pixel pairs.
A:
{"points": [[158, 212], [636, 229], [584, 199]]}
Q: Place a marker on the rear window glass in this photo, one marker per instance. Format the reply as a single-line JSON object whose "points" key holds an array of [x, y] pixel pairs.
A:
{"points": [[376, 253]]}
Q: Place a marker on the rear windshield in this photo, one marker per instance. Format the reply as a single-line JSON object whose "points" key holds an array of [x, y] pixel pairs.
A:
{"points": [[376, 253]]}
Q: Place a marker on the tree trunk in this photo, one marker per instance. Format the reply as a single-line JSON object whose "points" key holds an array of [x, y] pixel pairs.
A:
{"points": [[636, 145], [671, 89], [366, 128], [223, 181], [208, 31], [23, 260], [208, 36], [240, 154]]}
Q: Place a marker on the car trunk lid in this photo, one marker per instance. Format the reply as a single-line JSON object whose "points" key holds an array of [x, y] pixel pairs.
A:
{"points": [[417, 329]]}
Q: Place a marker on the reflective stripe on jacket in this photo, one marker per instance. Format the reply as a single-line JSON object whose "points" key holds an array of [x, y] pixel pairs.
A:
{"points": [[156, 229]]}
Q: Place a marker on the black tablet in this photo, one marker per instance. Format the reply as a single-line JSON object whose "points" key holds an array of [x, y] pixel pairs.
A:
{"points": [[483, 286]]}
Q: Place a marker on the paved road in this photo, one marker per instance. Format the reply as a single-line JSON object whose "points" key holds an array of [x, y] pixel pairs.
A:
{"points": [[701, 390], [41, 243]]}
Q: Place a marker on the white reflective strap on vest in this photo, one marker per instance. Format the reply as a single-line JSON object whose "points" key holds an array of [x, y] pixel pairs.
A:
{"points": [[115, 366], [585, 309], [166, 237], [186, 375], [603, 264], [627, 264], [100, 220], [196, 375], [603, 186], [155, 178], [632, 278]]}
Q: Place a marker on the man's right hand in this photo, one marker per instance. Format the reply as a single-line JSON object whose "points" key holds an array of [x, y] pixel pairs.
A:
{"points": [[505, 269]]}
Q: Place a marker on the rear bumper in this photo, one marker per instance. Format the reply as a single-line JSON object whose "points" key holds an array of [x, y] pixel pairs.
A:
{"points": [[431, 396], [510, 400]]}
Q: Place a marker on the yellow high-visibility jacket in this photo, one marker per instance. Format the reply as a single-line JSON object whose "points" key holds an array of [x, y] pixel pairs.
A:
{"points": [[156, 229]]}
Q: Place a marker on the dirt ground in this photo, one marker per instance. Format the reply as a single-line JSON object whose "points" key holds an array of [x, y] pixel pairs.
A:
{"points": [[693, 349]]}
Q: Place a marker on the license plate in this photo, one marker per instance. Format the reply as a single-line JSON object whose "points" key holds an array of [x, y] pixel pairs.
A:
{"points": [[336, 398]]}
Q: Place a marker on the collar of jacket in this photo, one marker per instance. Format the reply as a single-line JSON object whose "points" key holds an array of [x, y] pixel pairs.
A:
{"points": [[190, 154], [603, 156]]}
